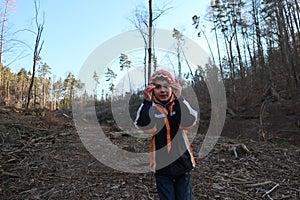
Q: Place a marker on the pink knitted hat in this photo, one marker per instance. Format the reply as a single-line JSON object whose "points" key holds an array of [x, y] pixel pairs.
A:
{"points": [[164, 74]]}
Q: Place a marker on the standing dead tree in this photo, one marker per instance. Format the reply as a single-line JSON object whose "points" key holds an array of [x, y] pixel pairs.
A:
{"points": [[8, 6], [150, 39], [143, 20], [37, 50]]}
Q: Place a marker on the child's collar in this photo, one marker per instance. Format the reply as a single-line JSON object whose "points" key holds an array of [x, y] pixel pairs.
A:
{"points": [[164, 103]]}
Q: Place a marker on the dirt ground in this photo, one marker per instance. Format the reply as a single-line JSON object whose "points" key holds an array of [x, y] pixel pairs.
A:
{"points": [[44, 158]]}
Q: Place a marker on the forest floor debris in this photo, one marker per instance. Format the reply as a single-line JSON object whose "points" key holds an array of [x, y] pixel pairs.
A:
{"points": [[39, 161]]}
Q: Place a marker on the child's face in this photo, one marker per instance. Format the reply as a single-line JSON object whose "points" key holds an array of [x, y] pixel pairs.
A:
{"points": [[162, 90]]}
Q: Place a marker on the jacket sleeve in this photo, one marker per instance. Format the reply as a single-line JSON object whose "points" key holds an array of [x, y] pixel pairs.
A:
{"points": [[143, 119], [188, 114]]}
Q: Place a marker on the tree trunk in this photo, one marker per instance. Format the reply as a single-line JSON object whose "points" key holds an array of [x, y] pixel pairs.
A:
{"points": [[145, 67], [36, 53], [242, 72], [218, 48], [2, 29], [293, 54], [297, 17], [150, 40], [283, 44], [7, 5], [247, 44]]}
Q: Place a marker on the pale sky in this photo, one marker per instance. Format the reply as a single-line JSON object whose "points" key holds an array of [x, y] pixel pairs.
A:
{"points": [[74, 28]]}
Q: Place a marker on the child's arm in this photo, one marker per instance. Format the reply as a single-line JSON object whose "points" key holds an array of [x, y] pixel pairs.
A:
{"points": [[143, 117], [188, 114], [143, 120]]}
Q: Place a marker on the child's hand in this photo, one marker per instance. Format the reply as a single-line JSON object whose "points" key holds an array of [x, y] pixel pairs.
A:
{"points": [[176, 87], [148, 92]]}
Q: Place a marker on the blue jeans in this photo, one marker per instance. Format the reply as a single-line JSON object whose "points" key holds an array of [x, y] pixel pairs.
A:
{"points": [[174, 188]]}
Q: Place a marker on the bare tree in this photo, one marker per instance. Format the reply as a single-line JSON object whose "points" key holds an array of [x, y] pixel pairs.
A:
{"points": [[150, 39], [9, 5], [144, 20], [37, 50]]}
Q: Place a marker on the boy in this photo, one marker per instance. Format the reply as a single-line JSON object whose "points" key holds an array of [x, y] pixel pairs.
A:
{"points": [[167, 116]]}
